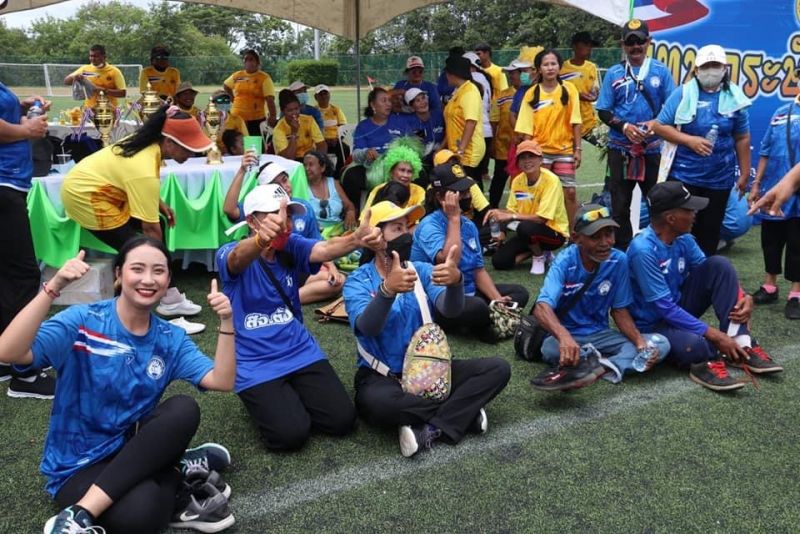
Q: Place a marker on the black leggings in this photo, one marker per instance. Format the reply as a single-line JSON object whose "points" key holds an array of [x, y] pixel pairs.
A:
{"points": [[708, 223], [288, 408], [775, 236], [621, 190], [528, 232], [142, 477], [19, 272], [498, 184], [475, 317]]}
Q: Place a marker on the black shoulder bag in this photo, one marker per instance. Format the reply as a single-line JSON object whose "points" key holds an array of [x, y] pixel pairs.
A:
{"points": [[286, 299]]}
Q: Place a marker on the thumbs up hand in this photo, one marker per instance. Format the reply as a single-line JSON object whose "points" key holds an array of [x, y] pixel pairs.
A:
{"points": [[447, 273], [368, 236], [399, 279], [71, 271], [219, 302]]}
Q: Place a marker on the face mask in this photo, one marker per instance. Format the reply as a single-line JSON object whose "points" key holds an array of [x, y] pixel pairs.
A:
{"points": [[525, 78], [224, 107], [465, 204], [280, 241], [402, 245], [303, 98], [710, 78]]}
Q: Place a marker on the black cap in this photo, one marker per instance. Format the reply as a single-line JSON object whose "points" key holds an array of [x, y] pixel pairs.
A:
{"points": [[635, 27], [591, 218], [584, 37], [671, 195], [458, 66], [159, 51], [483, 47], [451, 176]]}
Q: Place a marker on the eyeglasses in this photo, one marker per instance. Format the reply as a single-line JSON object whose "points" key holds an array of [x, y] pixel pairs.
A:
{"points": [[592, 216], [634, 41], [323, 209]]}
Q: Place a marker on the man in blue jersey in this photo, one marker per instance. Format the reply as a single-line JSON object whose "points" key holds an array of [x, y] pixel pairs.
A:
{"points": [[582, 347], [415, 72], [630, 99], [674, 284], [301, 92]]}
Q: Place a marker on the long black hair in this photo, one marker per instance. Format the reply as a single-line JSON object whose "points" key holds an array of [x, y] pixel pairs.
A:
{"points": [[537, 62], [371, 98], [149, 133]]}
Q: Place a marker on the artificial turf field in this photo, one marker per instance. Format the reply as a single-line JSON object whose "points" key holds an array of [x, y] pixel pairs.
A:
{"points": [[654, 454]]}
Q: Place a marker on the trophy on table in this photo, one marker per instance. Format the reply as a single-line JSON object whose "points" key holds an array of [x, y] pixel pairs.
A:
{"points": [[150, 103], [212, 124], [104, 118]]}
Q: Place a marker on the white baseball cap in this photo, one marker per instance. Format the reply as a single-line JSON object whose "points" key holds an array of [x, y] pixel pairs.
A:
{"points": [[517, 64], [266, 199], [297, 85], [269, 173], [320, 88], [710, 54], [473, 58], [413, 93]]}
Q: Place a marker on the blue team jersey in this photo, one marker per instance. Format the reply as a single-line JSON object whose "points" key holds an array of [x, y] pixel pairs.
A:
{"points": [[404, 316], [429, 238], [370, 135], [271, 340], [620, 96], [315, 113], [610, 289], [430, 132], [717, 171], [305, 225], [774, 147], [434, 101], [518, 96], [108, 380], [16, 160], [658, 271]]}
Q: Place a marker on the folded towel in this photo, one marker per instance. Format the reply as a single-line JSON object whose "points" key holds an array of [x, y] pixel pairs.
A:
{"points": [[730, 101]]}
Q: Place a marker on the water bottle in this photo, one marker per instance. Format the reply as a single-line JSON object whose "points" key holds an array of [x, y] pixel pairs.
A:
{"points": [[495, 228], [713, 135], [35, 110], [640, 361]]}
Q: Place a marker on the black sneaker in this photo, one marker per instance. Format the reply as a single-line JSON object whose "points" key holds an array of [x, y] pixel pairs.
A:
{"points": [[561, 378], [39, 385], [208, 513], [761, 296], [714, 375], [414, 439], [195, 479], [72, 520], [208, 456], [5, 372], [479, 425], [791, 311], [760, 362]]}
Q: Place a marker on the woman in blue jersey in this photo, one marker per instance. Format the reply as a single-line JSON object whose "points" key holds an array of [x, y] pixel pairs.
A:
{"points": [[707, 118], [384, 314], [115, 455]]}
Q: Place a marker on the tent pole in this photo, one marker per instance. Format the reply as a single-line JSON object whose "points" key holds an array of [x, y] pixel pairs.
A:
{"points": [[358, 58]]}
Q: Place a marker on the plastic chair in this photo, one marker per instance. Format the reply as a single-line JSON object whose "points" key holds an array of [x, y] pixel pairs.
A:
{"points": [[345, 137]]}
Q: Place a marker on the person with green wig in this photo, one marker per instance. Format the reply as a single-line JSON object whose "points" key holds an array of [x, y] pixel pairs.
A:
{"points": [[401, 164]]}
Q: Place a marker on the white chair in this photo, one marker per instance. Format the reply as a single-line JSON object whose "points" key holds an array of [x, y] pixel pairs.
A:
{"points": [[345, 136], [266, 132]]}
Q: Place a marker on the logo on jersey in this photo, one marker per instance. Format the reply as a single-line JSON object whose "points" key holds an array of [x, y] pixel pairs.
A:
{"points": [[300, 224], [681, 264], [97, 344], [523, 195], [152, 79], [280, 316], [664, 265], [571, 289], [289, 280], [156, 367], [472, 243], [604, 288], [703, 104], [570, 76], [542, 104], [619, 83], [655, 82]]}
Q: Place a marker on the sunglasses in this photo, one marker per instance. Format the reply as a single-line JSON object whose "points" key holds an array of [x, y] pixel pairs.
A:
{"points": [[323, 209], [635, 41], [592, 216], [160, 57]]}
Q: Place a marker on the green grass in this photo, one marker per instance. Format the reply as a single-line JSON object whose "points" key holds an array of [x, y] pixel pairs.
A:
{"points": [[654, 454]]}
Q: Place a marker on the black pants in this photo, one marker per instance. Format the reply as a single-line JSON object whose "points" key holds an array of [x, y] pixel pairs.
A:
{"points": [[381, 401], [19, 272], [499, 180], [142, 477], [528, 232], [708, 224], [775, 236], [621, 190], [287, 409], [354, 181], [475, 317]]}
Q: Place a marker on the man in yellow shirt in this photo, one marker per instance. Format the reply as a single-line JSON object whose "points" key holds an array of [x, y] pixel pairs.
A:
{"points": [[535, 211], [163, 78], [583, 75], [332, 118], [184, 99], [495, 72], [100, 76]]}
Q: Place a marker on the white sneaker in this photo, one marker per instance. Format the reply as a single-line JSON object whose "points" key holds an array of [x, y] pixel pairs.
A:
{"points": [[538, 265], [191, 328], [182, 307]]}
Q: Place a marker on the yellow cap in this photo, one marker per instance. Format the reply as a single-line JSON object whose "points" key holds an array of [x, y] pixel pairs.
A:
{"points": [[386, 211], [443, 156]]}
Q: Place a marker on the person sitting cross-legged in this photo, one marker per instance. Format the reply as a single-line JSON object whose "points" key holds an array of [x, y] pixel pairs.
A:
{"points": [[582, 347], [674, 284]]}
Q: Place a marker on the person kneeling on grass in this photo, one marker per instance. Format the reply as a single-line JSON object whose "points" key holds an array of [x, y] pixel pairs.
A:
{"points": [[582, 347], [384, 314], [674, 284], [536, 203], [283, 377], [114, 456]]}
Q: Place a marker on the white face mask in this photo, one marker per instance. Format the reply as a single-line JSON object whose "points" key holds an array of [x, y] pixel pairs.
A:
{"points": [[710, 78]]}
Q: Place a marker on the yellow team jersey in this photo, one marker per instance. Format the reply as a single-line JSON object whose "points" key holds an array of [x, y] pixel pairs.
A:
{"points": [[416, 196], [308, 135], [501, 113], [499, 81], [107, 77], [232, 122], [586, 80], [463, 106], [332, 118], [164, 83], [104, 190], [550, 124], [545, 199], [249, 93]]}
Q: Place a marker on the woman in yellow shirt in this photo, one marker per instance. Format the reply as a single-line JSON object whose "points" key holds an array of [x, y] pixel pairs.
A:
{"points": [[250, 89], [402, 165], [536, 203], [296, 134], [463, 117], [550, 114]]}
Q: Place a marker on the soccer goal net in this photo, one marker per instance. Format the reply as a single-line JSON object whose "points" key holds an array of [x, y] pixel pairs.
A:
{"points": [[47, 79]]}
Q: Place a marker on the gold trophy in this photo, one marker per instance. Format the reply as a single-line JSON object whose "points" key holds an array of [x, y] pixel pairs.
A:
{"points": [[150, 103], [104, 118], [212, 128]]}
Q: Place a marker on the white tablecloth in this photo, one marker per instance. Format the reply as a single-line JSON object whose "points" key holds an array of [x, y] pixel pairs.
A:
{"points": [[122, 129]]}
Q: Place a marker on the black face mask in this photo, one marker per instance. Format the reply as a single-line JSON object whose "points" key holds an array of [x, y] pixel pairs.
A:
{"points": [[401, 245], [465, 204]]}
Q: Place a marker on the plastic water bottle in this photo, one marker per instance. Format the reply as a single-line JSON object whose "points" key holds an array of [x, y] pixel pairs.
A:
{"points": [[713, 135], [495, 228], [640, 361], [35, 110]]}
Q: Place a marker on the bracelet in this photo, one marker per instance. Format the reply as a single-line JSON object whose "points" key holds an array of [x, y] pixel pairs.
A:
{"points": [[261, 244], [224, 332], [385, 292], [52, 293]]}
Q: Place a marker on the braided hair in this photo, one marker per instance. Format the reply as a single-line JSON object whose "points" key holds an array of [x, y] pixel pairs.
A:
{"points": [[537, 62]]}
